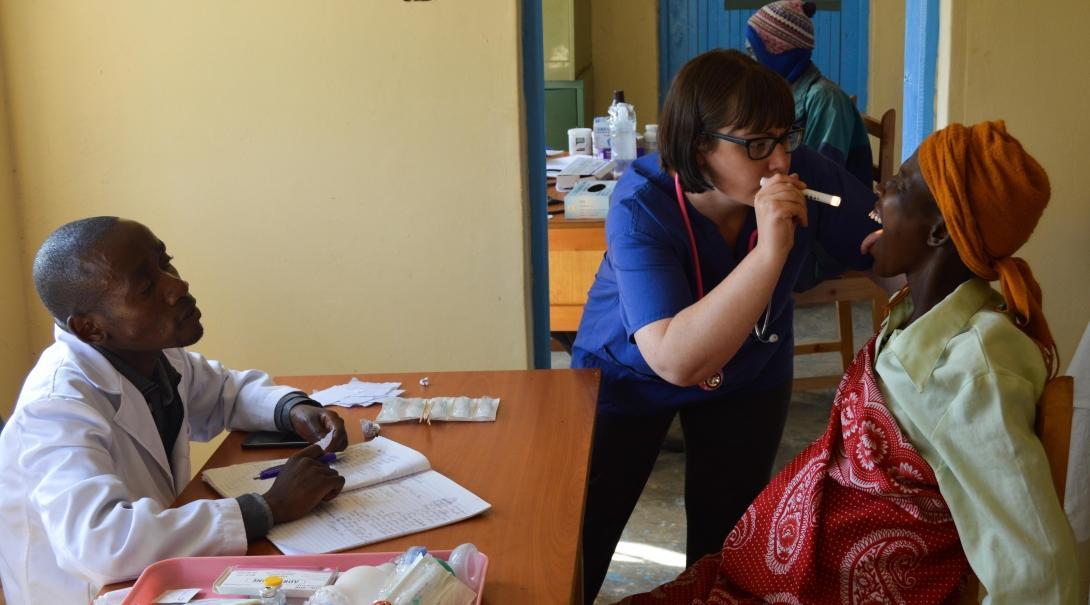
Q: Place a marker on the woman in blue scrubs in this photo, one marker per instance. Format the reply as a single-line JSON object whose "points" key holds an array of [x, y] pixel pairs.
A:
{"points": [[691, 310]]}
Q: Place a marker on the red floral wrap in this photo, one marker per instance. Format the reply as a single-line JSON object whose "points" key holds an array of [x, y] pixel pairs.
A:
{"points": [[855, 519]]}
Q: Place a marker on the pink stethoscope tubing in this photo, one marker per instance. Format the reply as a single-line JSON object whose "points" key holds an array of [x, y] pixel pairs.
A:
{"points": [[760, 333]]}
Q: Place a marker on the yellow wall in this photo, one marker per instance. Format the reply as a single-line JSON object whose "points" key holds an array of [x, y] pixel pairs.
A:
{"points": [[565, 29], [625, 55], [885, 71], [1011, 60], [341, 182], [15, 355]]}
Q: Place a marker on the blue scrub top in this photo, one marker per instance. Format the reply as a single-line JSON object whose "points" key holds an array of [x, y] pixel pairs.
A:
{"points": [[647, 275]]}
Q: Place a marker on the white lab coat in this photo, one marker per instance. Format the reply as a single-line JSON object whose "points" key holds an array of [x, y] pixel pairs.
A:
{"points": [[85, 486]]}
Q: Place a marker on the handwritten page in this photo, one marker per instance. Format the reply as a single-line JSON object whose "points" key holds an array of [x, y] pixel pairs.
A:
{"points": [[361, 464], [396, 508]]}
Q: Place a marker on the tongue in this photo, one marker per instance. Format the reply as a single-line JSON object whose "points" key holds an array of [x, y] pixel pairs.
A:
{"points": [[869, 241]]}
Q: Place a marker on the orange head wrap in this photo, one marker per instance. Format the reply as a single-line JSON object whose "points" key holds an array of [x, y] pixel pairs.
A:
{"points": [[991, 194]]}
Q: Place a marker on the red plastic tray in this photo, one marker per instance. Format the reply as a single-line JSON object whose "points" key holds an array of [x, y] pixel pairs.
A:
{"points": [[201, 572]]}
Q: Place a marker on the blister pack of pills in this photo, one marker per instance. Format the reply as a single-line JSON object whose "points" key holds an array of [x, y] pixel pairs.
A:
{"points": [[458, 409]]}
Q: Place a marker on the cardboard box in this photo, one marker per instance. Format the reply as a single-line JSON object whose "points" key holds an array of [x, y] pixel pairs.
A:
{"points": [[588, 199]]}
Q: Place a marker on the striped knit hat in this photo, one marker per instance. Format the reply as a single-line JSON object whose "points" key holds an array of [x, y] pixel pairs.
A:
{"points": [[785, 25]]}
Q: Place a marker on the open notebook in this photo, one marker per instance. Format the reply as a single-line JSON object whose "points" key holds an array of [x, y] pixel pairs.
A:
{"points": [[390, 491]]}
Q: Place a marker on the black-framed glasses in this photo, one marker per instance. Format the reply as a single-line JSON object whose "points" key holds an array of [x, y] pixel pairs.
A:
{"points": [[760, 148]]}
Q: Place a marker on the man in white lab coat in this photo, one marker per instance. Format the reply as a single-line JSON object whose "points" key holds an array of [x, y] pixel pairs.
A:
{"points": [[98, 446]]}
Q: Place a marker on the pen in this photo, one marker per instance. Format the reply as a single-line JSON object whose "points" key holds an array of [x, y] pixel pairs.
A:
{"points": [[273, 471]]}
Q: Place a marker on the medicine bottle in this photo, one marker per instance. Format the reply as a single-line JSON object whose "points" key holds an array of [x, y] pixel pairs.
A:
{"points": [[622, 133], [273, 592], [651, 138]]}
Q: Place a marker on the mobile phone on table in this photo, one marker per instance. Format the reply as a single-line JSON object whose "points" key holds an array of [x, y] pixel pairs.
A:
{"points": [[265, 439]]}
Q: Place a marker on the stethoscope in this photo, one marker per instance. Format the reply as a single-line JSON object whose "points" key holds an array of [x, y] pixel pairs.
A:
{"points": [[760, 330]]}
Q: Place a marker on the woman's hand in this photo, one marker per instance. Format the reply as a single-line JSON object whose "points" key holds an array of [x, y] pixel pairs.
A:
{"points": [[780, 206]]}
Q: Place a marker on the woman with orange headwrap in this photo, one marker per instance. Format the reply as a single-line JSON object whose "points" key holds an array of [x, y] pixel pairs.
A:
{"points": [[930, 464]]}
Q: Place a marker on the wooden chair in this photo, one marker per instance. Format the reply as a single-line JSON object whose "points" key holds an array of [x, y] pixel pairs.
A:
{"points": [[844, 290]]}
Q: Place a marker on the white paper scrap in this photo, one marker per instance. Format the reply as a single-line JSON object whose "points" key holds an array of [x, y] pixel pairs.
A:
{"points": [[180, 595], [357, 392]]}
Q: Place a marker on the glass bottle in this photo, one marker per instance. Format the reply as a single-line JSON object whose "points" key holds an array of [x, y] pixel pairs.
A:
{"points": [[272, 593]]}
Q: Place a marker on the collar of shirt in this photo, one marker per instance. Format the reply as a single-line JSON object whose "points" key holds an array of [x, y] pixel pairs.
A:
{"points": [[164, 384], [919, 346]]}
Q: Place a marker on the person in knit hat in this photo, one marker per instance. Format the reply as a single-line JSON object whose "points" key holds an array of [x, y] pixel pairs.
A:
{"points": [[780, 36], [930, 465]]}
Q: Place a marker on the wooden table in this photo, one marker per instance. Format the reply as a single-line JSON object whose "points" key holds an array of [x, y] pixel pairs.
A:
{"points": [[530, 465]]}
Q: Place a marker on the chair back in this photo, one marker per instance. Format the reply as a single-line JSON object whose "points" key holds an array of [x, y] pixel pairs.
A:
{"points": [[883, 129], [1054, 414]]}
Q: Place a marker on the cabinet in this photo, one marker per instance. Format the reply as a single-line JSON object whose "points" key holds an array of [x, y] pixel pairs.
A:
{"points": [[576, 248], [565, 107]]}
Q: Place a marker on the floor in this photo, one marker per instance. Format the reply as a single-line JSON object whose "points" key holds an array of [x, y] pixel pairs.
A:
{"points": [[652, 549]]}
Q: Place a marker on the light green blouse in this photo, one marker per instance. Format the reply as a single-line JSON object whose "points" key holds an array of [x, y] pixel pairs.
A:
{"points": [[963, 382]]}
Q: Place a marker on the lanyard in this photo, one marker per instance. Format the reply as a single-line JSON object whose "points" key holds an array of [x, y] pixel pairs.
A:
{"points": [[760, 332]]}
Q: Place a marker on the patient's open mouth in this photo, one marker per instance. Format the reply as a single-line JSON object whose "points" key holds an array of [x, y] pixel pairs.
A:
{"points": [[875, 216]]}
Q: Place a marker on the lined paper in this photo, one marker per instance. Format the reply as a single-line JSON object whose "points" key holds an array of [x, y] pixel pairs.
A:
{"points": [[361, 464], [389, 510]]}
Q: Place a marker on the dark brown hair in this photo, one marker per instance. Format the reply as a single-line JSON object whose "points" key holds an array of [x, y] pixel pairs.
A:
{"points": [[716, 89]]}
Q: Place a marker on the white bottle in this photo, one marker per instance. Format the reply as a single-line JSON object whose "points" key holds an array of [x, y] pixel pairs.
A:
{"points": [[651, 138], [601, 137], [622, 133]]}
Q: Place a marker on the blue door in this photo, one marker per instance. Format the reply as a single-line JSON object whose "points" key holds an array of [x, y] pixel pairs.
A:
{"points": [[690, 27]]}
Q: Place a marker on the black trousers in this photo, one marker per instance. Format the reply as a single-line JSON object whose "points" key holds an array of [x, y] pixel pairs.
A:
{"points": [[730, 445]]}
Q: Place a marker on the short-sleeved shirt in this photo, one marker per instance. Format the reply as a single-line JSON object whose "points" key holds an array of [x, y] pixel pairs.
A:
{"points": [[647, 274]]}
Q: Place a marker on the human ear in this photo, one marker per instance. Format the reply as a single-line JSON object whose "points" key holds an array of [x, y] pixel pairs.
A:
{"points": [[938, 236], [86, 329]]}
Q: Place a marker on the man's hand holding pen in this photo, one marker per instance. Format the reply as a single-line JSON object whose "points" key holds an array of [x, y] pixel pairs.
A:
{"points": [[274, 471], [303, 483]]}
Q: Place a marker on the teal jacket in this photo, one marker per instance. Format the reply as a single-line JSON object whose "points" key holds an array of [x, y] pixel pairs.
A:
{"points": [[833, 124]]}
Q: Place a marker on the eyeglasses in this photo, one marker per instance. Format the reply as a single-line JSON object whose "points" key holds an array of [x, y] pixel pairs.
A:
{"points": [[761, 147]]}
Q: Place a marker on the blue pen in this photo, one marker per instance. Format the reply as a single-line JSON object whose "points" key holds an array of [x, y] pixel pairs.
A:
{"points": [[273, 471]]}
